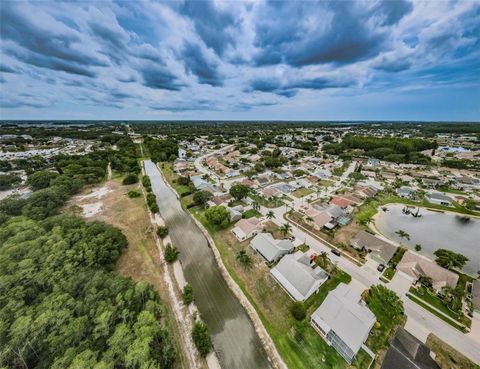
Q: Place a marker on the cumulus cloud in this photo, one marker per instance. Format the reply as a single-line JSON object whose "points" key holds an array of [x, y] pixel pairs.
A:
{"points": [[243, 56]]}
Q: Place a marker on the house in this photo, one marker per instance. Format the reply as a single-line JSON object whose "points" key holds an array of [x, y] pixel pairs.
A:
{"points": [[407, 352], [406, 192], [340, 202], [476, 298], [202, 185], [343, 321], [439, 199], [379, 250], [247, 228], [219, 200], [235, 212], [269, 248], [284, 187], [373, 162], [413, 266], [297, 277], [321, 220], [270, 192]]}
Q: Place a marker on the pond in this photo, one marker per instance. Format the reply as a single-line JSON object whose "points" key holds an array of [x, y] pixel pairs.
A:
{"points": [[433, 230]]}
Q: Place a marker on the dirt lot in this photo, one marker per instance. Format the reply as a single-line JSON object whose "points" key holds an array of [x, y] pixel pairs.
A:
{"points": [[140, 260], [346, 233]]}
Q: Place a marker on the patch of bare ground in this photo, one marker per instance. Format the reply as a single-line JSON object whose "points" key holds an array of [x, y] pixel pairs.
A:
{"points": [[346, 233], [140, 260], [273, 301]]}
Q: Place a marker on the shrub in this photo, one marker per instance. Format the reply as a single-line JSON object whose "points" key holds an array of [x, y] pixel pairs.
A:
{"points": [[131, 178], [171, 253], [201, 338], [187, 294], [298, 311], [132, 194], [162, 231]]}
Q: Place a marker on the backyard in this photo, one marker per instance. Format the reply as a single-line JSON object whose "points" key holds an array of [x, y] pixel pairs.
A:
{"points": [[301, 192]]}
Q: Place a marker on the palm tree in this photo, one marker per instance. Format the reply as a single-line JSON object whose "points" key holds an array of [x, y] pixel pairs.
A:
{"points": [[285, 228], [270, 215], [256, 205], [403, 234], [244, 259], [309, 219]]}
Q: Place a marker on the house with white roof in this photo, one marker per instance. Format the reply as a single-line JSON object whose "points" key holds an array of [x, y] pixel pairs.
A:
{"points": [[247, 228], [297, 277], [270, 248], [343, 321]]}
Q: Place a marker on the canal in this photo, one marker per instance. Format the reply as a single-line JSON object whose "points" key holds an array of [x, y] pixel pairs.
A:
{"points": [[234, 337], [434, 230]]}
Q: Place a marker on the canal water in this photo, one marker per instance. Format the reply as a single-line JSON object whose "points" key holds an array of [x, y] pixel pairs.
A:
{"points": [[233, 334], [433, 231]]}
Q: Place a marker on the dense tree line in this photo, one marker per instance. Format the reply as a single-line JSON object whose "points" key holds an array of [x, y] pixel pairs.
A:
{"points": [[400, 150], [8, 181], [61, 306], [161, 150], [125, 158]]}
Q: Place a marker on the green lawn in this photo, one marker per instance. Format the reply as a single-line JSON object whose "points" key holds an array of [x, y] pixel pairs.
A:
{"points": [[250, 213], [301, 192], [389, 273], [275, 203]]}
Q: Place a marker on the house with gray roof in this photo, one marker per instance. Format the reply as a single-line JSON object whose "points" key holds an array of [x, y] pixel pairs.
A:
{"points": [[407, 352], [344, 321], [379, 250], [406, 192], [439, 199], [297, 277], [270, 248]]}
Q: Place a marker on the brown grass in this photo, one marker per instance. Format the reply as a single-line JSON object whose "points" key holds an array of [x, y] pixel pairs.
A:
{"points": [[447, 357]]}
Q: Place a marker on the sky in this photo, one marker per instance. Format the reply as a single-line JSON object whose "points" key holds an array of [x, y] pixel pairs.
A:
{"points": [[240, 60]]}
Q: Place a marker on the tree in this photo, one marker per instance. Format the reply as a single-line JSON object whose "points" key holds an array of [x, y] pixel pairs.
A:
{"points": [[270, 214], [132, 194], [449, 259], [184, 181], [403, 234], [201, 338], [202, 197], [129, 179], [418, 247], [425, 281], [162, 231], [239, 191], [256, 205], [187, 294], [244, 259], [286, 228], [218, 215], [39, 180], [171, 253], [298, 310]]}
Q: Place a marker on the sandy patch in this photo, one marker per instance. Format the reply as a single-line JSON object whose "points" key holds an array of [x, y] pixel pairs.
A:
{"points": [[89, 210], [97, 193]]}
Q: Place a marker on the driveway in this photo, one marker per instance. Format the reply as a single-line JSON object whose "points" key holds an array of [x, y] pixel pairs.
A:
{"points": [[400, 284]]}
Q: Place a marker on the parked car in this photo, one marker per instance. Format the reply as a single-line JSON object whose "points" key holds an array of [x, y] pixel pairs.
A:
{"points": [[381, 267], [336, 252]]}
